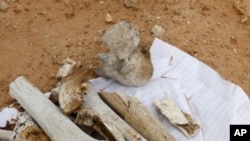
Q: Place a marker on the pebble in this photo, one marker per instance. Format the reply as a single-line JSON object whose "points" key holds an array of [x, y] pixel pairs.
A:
{"points": [[108, 18], [157, 30], [244, 19], [131, 3], [235, 50], [4, 6], [188, 22]]}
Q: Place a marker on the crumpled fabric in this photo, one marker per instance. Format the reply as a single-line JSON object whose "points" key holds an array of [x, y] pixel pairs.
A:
{"points": [[195, 87]]}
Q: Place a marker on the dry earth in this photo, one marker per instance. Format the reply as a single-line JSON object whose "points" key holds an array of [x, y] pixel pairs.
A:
{"points": [[36, 35]]}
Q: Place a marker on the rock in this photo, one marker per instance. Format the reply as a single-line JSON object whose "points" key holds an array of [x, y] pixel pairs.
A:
{"points": [[108, 18], [244, 19], [4, 6], [158, 17], [235, 50], [131, 3], [188, 22], [157, 30]]}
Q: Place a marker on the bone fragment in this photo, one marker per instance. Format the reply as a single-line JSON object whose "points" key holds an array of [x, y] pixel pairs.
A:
{"points": [[56, 126], [70, 96], [125, 62], [26, 129], [138, 116], [67, 68], [122, 38], [6, 135], [94, 102], [183, 121], [89, 121], [70, 93]]}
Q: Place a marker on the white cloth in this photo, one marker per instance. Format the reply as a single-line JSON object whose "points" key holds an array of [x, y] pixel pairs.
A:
{"points": [[196, 88], [7, 115]]}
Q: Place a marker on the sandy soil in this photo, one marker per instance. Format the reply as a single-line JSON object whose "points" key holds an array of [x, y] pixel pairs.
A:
{"points": [[35, 36]]}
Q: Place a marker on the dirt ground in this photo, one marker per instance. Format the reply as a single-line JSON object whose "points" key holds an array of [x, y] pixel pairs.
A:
{"points": [[36, 35]]}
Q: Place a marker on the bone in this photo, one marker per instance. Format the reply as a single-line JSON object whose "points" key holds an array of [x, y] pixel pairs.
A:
{"points": [[70, 97], [26, 129], [70, 92], [122, 38], [138, 116], [90, 122], [67, 68], [6, 135], [183, 121], [94, 102], [125, 62], [45, 113]]}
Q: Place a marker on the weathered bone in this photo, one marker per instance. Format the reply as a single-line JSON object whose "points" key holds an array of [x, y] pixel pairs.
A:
{"points": [[70, 93], [26, 129], [122, 38], [89, 121], [180, 119], [67, 68], [68, 90], [94, 102], [45, 113], [72, 86], [125, 62], [6, 135], [138, 116]]}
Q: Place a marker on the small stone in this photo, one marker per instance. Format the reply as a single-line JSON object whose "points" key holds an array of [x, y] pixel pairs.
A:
{"points": [[188, 22], [235, 50], [157, 30], [108, 18], [4, 6], [244, 19], [233, 39], [131, 3]]}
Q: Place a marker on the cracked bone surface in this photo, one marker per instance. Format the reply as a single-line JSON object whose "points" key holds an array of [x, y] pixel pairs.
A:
{"points": [[137, 115], [107, 115], [26, 129], [183, 121], [45, 113], [125, 62], [90, 122]]}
